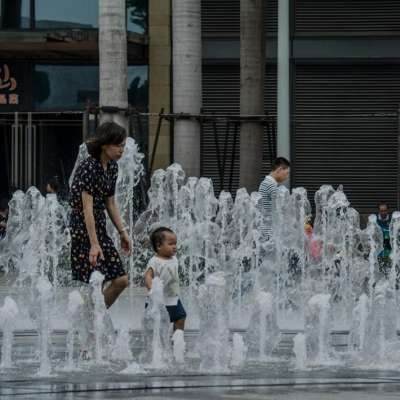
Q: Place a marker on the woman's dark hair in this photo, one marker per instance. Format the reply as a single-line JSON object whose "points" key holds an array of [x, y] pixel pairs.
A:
{"points": [[157, 237], [106, 133]]}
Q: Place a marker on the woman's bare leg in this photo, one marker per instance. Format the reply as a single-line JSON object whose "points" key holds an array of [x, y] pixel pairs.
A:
{"points": [[112, 292]]}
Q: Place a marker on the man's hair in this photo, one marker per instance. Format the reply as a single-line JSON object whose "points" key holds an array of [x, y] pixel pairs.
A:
{"points": [[280, 162], [383, 203], [157, 237]]}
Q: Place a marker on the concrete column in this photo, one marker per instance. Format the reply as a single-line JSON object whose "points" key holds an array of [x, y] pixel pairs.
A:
{"points": [[283, 118], [187, 91], [252, 71], [160, 78], [113, 66]]}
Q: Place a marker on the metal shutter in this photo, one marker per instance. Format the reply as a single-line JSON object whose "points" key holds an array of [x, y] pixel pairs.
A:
{"points": [[346, 131], [221, 89], [222, 17], [355, 16]]}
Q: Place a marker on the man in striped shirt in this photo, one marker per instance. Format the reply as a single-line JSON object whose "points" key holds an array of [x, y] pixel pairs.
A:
{"points": [[279, 173]]}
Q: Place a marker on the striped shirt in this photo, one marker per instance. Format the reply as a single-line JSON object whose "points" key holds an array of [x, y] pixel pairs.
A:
{"points": [[267, 191]]}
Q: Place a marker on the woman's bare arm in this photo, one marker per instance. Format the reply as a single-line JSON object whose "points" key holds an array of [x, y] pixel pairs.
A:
{"points": [[95, 251], [87, 202], [114, 214]]}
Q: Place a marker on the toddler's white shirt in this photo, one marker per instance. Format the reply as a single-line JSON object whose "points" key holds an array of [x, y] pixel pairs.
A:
{"points": [[167, 271]]}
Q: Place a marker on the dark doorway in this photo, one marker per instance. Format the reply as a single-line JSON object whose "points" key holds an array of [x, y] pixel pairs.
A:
{"points": [[38, 146], [5, 158]]}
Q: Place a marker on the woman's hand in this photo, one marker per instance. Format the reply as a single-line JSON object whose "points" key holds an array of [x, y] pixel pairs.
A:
{"points": [[115, 217], [126, 244], [94, 254]]}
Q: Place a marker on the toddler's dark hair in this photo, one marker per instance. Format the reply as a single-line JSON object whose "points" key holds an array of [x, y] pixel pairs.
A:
{"points": [[157, 237]]}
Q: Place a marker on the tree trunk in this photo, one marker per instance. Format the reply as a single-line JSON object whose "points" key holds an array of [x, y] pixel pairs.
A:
{"points": [[187, 96], [283, 84], [113, 59], [252, 69]]}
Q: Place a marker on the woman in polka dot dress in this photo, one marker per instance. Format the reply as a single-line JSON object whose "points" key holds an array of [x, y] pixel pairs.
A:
{"points": [[92, 193]]}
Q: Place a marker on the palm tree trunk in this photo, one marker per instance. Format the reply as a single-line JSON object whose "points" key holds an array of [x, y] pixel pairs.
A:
{"points": [[283, 84], [252, 69], [187, 96], [113, 59]]}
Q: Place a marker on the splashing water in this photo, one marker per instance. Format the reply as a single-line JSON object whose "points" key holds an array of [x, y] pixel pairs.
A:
{"points": [[318, 320], [238, 351], [263, 330], [45, 291], [179, 346], [8, 314], [231, 277], [300, 351], [156, 349], [214, 331], [75, 309]]}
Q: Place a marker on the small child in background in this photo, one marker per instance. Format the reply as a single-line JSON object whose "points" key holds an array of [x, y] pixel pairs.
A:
{"points": [[314, 246], [53, 185], [164, 265]]}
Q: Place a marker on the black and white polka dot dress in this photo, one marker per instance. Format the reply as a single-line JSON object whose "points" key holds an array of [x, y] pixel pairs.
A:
{"points": [[91, 177]]}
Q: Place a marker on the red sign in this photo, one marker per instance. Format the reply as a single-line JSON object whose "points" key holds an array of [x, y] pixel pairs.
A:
{"points": [[8, 84]]}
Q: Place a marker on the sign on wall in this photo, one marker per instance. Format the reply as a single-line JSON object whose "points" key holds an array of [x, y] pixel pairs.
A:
{"points": [[9, 94]]}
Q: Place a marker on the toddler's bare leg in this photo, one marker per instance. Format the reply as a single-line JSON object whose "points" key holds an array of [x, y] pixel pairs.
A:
{"points": [[180, 324]]}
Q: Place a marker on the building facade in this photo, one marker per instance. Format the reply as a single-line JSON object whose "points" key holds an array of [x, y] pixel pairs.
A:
{"points": [[49, 73], [344, 89]]}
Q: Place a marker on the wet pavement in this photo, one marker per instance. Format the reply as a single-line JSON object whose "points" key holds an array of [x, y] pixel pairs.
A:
{"points": [[253, 384], [275, 379]]}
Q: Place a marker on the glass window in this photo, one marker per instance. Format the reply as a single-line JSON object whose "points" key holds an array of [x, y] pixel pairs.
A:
{"points": [[52, 14], [138, 97], [69, 87], [66, 87], [15, 14], [136, 15], [138, 86]]}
